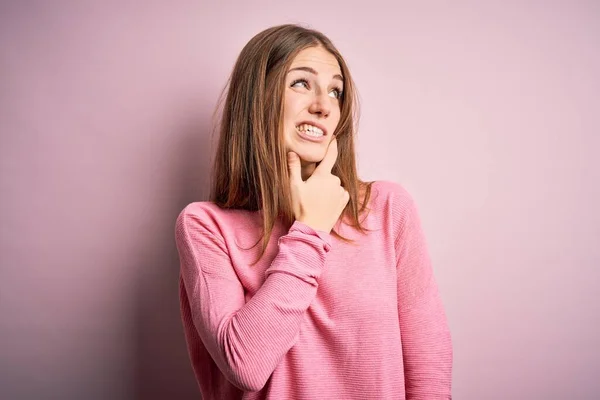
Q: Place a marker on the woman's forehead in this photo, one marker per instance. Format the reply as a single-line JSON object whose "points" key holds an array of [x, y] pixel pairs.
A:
{"points": [[317, 58]]}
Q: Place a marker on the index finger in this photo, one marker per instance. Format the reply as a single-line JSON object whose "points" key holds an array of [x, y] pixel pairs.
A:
{"points": [[326, 165]]}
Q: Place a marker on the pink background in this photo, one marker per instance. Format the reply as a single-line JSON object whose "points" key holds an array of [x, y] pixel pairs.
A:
{"points": [[488, 112]]}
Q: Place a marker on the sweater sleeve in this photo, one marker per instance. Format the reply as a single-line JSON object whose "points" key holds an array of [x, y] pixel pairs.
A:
{"points": [[426, 340], [247, 340]]}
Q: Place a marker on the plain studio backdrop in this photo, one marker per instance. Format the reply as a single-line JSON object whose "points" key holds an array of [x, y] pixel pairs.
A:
{"points": [[487, 112]]}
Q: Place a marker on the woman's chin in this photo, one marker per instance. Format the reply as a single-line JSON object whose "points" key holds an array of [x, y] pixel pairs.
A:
{"points": [[310, 155], [309, 158], [308, 152]]}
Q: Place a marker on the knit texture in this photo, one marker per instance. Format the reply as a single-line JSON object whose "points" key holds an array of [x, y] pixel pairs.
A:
{"points": [[316, 318]]}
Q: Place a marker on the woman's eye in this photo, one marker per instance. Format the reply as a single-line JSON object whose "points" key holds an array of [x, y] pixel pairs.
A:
{"points": [[337, 93], [300, 82]]}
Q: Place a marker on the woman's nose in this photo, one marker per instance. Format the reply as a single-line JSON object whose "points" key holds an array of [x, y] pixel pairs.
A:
{"points": [[320, 104]]}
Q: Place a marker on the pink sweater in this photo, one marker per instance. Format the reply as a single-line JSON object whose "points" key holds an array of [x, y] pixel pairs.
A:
{"points": [[316, 318]]}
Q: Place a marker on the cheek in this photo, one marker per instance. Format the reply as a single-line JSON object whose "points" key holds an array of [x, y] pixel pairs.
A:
{"points": [[290, 108], [335, 120]]}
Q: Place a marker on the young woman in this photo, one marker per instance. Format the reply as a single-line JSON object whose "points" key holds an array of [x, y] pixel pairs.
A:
{"points": [[299, 280]]}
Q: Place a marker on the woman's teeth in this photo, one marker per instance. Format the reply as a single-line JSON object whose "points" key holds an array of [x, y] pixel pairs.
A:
{"points": [[310, 130]]}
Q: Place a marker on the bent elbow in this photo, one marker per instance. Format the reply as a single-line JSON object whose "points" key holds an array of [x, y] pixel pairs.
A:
{"points": [[246, 379], [247, 370], [246, 366]]}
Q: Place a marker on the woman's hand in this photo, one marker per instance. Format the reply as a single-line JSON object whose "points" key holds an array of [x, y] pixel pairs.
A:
{"points": [[319, 201]]}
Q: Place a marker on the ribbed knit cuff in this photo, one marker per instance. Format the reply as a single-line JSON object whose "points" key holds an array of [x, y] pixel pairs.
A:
{"points": [[302, 253], [302, 227]]}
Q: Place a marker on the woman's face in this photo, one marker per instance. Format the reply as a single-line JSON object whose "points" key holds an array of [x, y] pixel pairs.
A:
{"points": [[313, 89]]}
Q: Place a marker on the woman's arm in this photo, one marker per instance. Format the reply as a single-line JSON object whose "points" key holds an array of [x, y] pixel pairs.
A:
{"points": [[247, 340], [426, 340]]}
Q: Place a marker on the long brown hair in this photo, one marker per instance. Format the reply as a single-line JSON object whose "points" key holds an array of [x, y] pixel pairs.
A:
{"points": [[250, 169]]}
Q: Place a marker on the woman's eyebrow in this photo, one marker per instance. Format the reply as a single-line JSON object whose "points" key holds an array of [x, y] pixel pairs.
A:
{"points": [[313, 71]]}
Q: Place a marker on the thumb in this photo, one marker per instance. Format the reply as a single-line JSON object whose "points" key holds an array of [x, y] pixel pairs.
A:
{"points": [[294, 167]]}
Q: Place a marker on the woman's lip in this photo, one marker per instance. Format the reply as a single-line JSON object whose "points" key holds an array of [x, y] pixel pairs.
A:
{"points": [[311, 138]]}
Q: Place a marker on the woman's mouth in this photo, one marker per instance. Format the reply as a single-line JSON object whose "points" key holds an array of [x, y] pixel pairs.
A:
{"points": [[310, 132]]}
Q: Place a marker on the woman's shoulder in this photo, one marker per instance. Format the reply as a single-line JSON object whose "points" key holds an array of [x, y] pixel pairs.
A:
{"points": [[391, 194], [394, 203], [208, 217], [202, 209]]}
